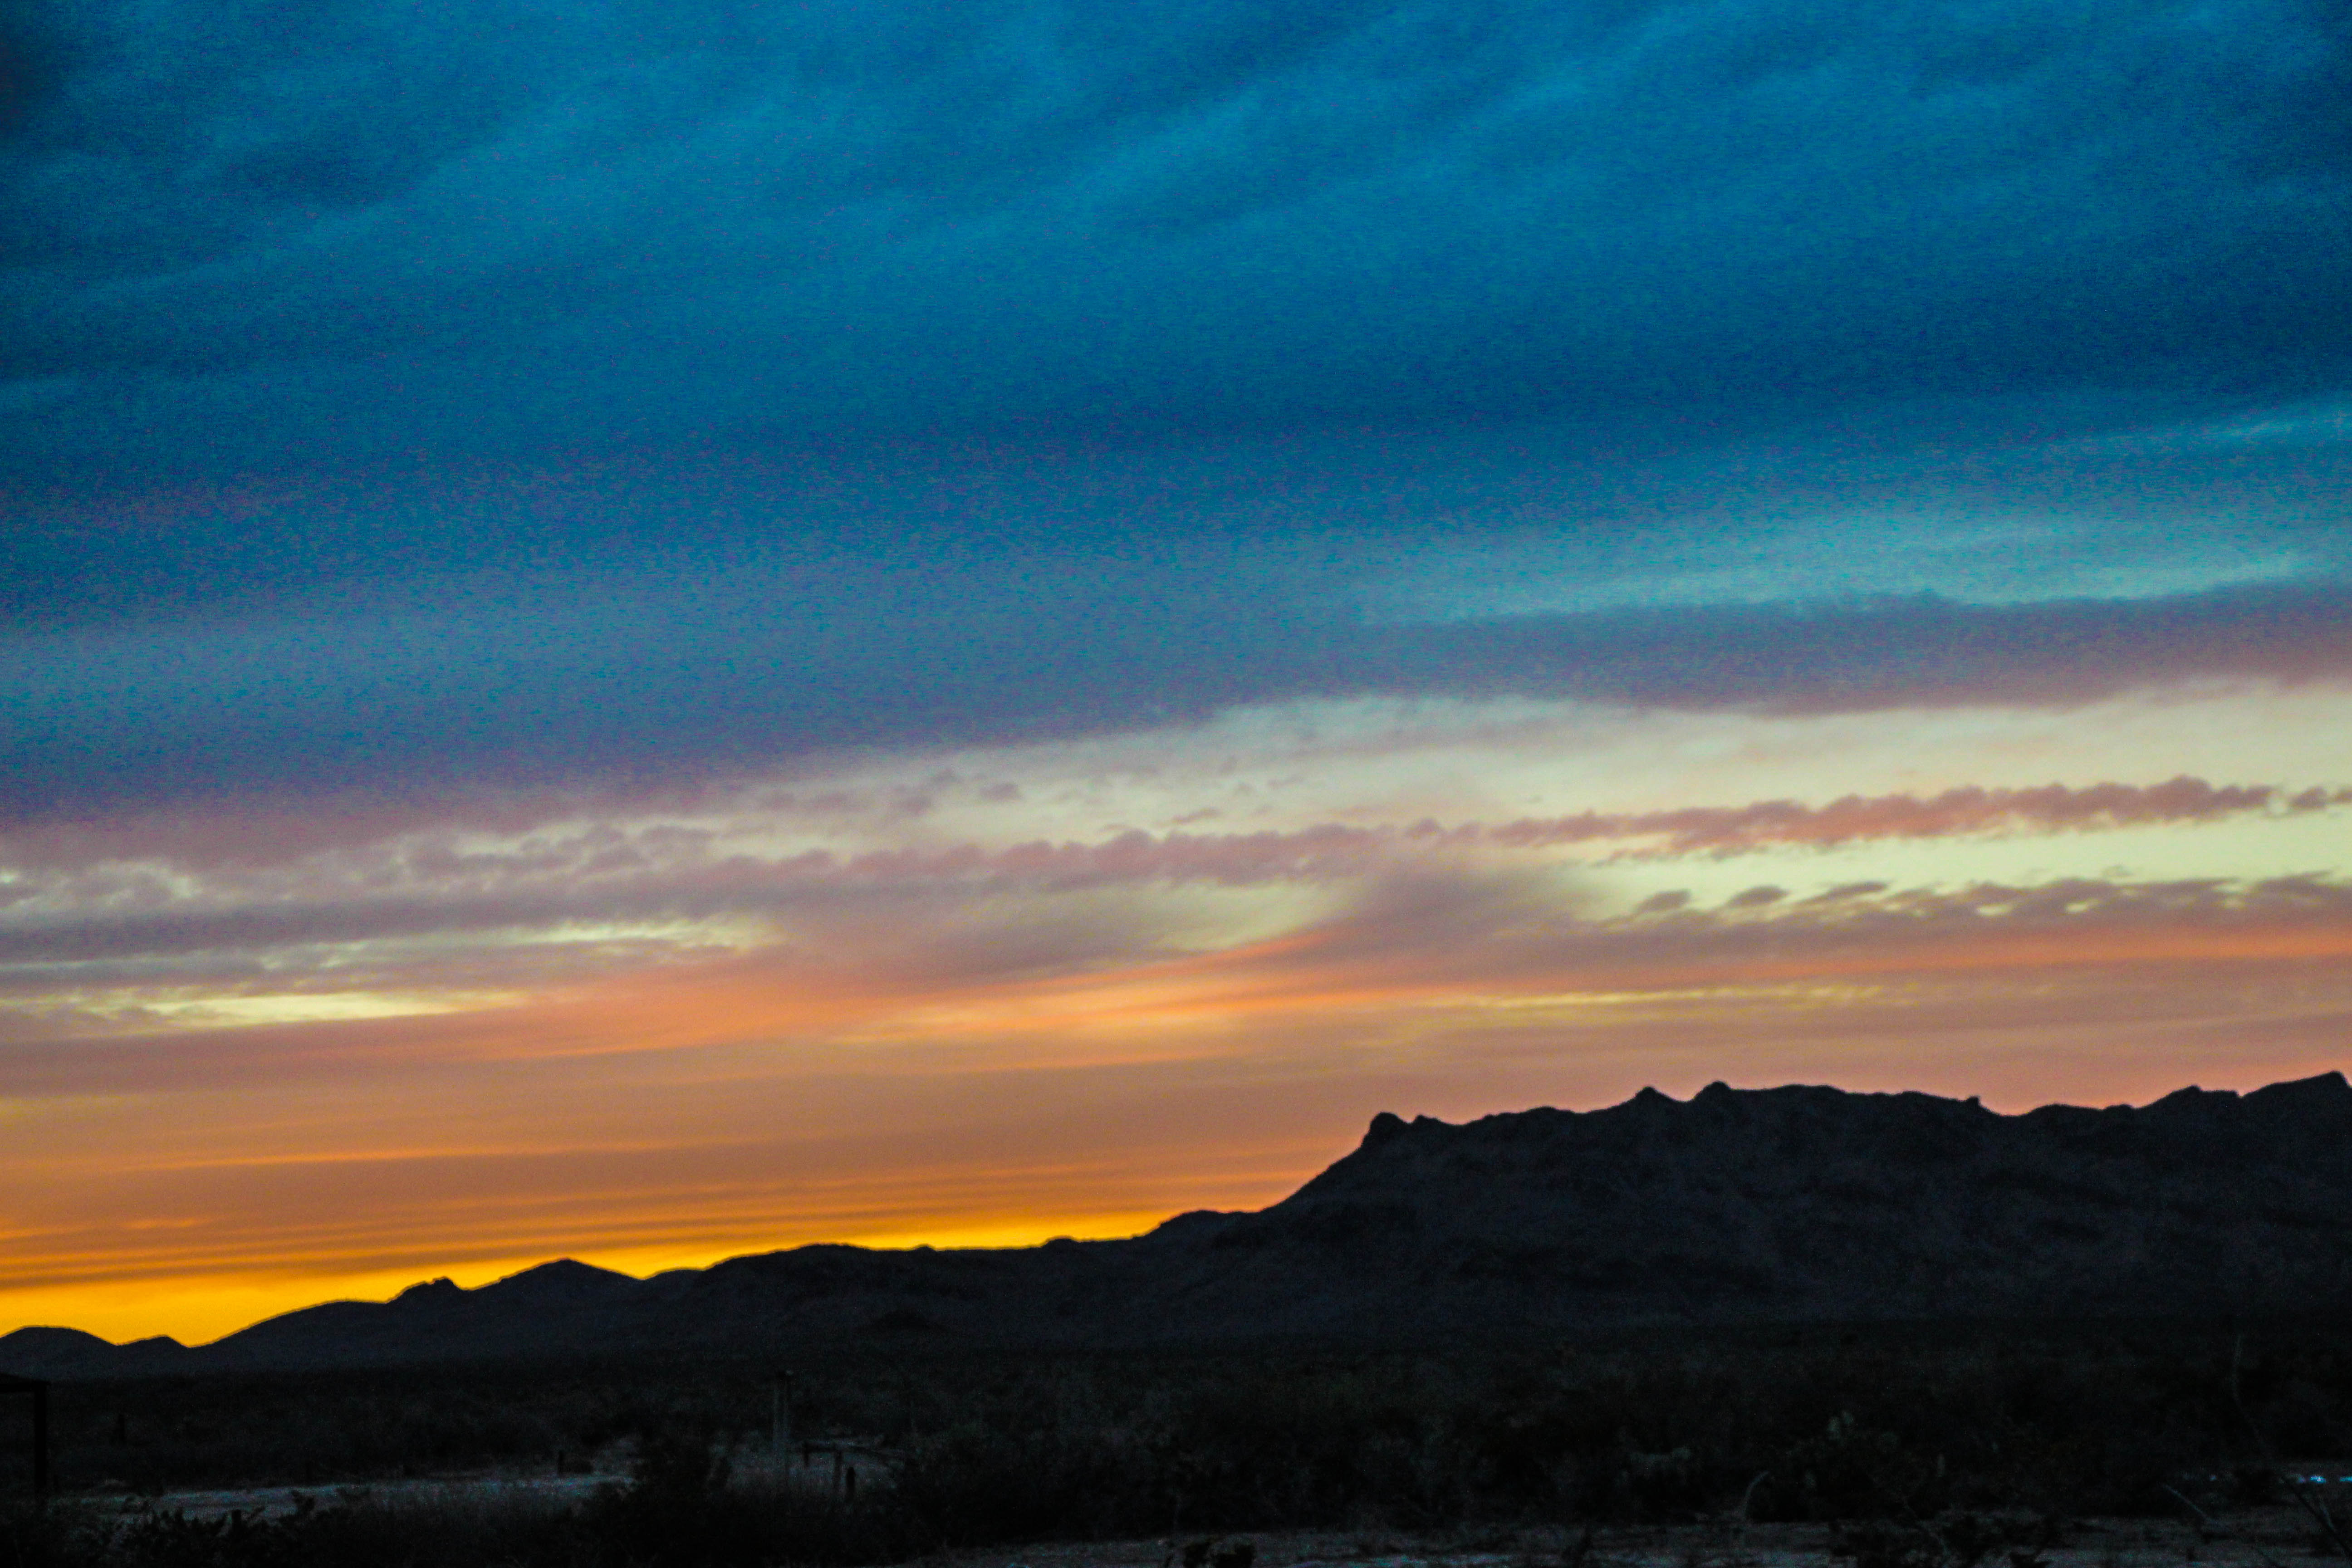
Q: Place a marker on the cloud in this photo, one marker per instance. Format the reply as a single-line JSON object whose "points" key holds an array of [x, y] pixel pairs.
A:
{"points": [[157, 903], [927, 980], [678, 688], [1484, 943], [1919, 651], [811, 221], [1727, 830], [907, 1079]]}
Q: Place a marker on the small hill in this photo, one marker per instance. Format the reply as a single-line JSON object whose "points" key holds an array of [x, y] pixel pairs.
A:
{"points": [[1798, 1204], [71, 1353]]}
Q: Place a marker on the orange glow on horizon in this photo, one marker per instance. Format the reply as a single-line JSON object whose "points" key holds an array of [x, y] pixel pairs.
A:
{"points": [[1047, 1005], [196, 1309]]}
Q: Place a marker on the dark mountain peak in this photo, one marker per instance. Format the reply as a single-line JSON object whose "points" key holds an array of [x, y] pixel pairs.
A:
{"points": [[1386, 1126], [1197, 1222], [47, 1341], [39, 1334], [564, 1280], [430, 1293], [2326, 1095]]}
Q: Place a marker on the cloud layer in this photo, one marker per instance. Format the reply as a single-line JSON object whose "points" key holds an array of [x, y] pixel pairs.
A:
{"points": [[680, 688], [918, 220], [909, 1081], [178, 899]]}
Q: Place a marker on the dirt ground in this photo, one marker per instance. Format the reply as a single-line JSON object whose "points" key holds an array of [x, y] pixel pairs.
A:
{"points": [[270, 1502], [2268, 1538]]}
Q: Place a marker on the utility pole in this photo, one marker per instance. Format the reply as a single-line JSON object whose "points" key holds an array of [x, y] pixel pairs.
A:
{"points": [[780, 1412]]}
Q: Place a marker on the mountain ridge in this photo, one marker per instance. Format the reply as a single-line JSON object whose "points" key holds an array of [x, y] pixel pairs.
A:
{"points": [[1795, 1204]]}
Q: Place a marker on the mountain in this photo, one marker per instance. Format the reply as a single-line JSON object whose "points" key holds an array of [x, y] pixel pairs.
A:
{"points": [[1736, 1207], [69, 1353]]}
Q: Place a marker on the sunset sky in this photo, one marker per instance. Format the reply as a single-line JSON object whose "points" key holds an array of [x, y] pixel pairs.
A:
{"points": [[646, 632]]}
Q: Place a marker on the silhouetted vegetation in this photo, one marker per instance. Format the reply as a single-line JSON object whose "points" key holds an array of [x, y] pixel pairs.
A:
{"points": [[1951, 1449]]}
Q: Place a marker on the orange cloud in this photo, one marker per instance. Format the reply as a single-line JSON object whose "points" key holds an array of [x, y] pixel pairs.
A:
{"points": [[954, 1038], [672, 878]]}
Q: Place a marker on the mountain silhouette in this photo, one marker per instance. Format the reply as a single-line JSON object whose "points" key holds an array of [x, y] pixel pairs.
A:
{"points": [[1783, 1205]]}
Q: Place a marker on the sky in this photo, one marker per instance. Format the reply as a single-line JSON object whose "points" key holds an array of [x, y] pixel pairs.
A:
{"points": [[646, 633]]}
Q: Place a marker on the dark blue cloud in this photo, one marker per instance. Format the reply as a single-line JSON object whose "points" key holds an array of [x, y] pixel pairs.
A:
{"points": [[2102, 484], [396, 395], [245, 235], [772, 671]]}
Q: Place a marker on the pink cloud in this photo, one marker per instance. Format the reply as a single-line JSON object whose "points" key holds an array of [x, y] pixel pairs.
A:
{"points": [[106, 911], [905, 1071], [1723, 830]]}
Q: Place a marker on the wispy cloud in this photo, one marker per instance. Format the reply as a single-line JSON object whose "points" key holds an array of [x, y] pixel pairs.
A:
{"points": [[782, 1094], [1404, 939], [659, 888], [591, 696], [1732, 830]]}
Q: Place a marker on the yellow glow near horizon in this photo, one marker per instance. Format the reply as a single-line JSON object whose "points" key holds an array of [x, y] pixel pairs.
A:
{"points": [[199, 1309], [926, 1047]]}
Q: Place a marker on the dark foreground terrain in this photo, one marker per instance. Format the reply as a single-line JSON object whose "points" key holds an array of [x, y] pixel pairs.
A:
{"points": [[1738, 1206], [1984, 1446], [1521, 1330]]}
